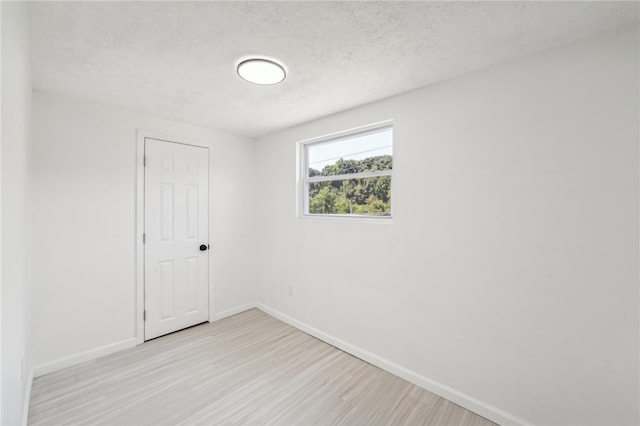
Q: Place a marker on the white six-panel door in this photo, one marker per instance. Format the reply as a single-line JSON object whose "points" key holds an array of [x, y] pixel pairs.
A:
{"points": [[176, 279]]}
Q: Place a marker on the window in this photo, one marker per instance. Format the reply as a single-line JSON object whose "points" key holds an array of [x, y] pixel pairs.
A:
{"points": [[348, 174]]}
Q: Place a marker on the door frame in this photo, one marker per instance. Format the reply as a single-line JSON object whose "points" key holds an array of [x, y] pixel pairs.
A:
{"points": [[139, 229]]}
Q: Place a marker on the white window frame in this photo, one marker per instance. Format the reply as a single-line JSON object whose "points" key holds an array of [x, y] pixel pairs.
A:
{"points": [[304, 179]]}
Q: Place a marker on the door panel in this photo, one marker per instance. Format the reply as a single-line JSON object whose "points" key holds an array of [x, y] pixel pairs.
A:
{"points": [[176, 224]]}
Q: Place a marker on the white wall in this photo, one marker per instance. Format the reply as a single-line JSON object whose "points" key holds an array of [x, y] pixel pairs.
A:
{"points": [[16, 208], [84, 222], [510, 272]]}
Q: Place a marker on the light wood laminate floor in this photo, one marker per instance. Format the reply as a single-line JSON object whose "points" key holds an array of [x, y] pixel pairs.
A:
{"points": [[247, 369]]}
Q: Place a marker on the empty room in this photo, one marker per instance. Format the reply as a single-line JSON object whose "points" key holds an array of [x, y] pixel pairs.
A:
{"points": [[320, 213]]}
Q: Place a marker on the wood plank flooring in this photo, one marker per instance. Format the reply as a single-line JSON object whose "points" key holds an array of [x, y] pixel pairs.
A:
{"points": [[247, 369]]}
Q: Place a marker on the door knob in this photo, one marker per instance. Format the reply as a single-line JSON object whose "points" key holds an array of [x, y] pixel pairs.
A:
{"points": [[204, 247]]}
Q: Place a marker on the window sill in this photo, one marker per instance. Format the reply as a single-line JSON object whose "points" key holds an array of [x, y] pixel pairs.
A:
{"points": [[386, 220]]}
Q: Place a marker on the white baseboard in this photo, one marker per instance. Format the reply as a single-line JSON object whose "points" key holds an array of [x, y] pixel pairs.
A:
{"points": [[85, 356], [27, 398], [92, 354], [233, 311], [479, 407]]}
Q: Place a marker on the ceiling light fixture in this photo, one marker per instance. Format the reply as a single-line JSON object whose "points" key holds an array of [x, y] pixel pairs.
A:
{"points": [[261, 71]]}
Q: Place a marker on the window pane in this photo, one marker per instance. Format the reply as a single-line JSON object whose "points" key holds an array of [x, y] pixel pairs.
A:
{"points": [[365, 196], [354, 155]]}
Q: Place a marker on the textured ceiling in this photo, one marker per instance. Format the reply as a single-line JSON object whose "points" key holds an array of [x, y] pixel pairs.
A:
{"points": [[177, 59]]}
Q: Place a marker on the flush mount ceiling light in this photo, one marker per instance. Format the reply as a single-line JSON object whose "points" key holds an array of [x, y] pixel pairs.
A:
{"points": [[261, 71]]}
